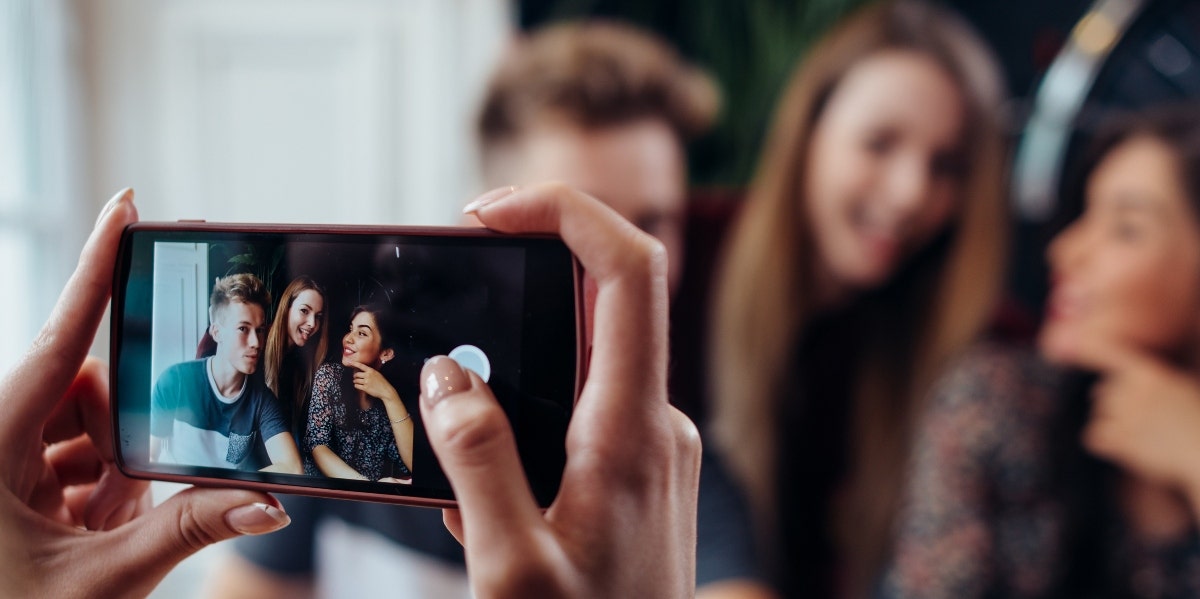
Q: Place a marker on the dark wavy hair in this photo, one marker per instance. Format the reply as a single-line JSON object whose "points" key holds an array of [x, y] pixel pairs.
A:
{"points": [[387, 326], [1086, 484]]}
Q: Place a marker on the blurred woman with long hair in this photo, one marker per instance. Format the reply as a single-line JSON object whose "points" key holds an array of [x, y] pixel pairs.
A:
{"points": [[869, 252]]}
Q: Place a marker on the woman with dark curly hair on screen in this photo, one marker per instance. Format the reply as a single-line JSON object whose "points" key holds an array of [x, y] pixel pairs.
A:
{"points": [[358, 427]]}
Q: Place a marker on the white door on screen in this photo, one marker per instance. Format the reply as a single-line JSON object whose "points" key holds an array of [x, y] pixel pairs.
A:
{"points": [[180, 303]]}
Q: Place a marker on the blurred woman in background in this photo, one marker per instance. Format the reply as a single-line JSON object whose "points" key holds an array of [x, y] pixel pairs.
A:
{"points": [[1031, 483], [870, 251]]}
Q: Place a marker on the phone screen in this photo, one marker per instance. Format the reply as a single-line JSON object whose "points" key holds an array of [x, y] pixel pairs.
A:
{"points": [[290, 357]]}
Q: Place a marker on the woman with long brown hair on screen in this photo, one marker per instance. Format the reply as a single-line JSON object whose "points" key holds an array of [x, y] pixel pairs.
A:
{"points": [[296, 346]]}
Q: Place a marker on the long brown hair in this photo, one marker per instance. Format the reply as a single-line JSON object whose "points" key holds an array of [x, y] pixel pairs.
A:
{"points": [[310, 357], [764, 300]]}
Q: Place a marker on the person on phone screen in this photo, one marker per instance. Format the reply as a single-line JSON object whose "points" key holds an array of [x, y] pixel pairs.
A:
{"points": [[216, 412], [624, 145], [358, 427], [296, 345]]}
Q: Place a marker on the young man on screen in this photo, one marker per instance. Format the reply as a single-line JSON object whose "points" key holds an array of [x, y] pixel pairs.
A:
{"points": [[216, 412]]}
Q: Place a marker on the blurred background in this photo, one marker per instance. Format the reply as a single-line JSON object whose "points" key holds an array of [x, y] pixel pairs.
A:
{"points": [[362, 111]]}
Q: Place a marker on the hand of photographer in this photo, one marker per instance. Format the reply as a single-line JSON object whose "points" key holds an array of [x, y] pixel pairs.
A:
{"points": [[624, 521], [73, 525]]}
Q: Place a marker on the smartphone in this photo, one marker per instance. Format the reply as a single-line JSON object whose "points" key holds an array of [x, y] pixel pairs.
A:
{"points": [[287, 357]]}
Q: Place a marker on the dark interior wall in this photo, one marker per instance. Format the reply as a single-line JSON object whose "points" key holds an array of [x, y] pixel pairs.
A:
{"points": [[751, 46]]}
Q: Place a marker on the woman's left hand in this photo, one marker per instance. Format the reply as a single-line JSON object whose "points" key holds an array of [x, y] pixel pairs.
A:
{"points": [[72, 524], [370, 381], [1145, 417]]}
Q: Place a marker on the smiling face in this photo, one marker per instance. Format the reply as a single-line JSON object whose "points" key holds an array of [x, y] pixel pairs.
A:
{"points": [[885, 168], [363, 342], [240, 331], [305, 317], [1127, 272]]}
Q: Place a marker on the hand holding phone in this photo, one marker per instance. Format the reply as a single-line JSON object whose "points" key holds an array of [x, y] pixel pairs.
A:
{"points": [[624, 521], [57, 475]]}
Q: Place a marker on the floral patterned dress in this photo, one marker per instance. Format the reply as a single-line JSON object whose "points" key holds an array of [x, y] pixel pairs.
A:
{"points": [[993, 509], [362, 438]]}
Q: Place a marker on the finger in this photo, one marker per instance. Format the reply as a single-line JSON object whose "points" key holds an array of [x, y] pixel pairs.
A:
{"points": [[89, 458], [46, 497], [29, 391], [359, 365], [115, 500], [75, 499], [84, 410], [453, 521], [127, 512], [629, 268], [145, 549], [75, 462], [474, 443]]}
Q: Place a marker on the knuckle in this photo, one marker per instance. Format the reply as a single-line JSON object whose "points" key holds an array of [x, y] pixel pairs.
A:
{"points": [[558, 189], [194, 532], [472, 431], [647, 256], [524, 577], [688, 444]]}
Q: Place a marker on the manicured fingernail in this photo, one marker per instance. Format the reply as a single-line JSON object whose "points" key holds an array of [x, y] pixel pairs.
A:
{"points": [[112, 203], [488, 198], [442, 377], [257, 519]]}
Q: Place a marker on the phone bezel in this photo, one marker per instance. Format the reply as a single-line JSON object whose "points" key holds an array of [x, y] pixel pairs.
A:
{"points": [[350, 489]]}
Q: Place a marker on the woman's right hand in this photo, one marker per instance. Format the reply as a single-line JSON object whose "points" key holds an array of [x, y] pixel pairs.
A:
{"points": [[371, 381], [624, 521]]}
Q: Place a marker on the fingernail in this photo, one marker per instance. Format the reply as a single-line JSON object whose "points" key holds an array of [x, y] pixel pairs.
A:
{"points": [[112, 203], [257, 519], [442, 377], [488, 198]]}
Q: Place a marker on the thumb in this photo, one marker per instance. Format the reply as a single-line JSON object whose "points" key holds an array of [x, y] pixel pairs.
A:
{"points": [[475, 445], [148, 547]]}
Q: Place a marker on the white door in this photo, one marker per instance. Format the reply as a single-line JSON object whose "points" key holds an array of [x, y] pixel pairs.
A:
{"points": [[179, 314], [319, 111]]}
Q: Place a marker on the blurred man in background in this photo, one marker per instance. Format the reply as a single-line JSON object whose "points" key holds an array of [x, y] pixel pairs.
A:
{"points": [[601, 107]]}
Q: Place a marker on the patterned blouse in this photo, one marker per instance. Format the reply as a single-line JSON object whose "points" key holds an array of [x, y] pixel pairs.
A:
{"points": [[367, 444], [996, 508]]}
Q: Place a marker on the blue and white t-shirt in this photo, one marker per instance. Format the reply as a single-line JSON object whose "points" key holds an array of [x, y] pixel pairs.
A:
{"points": [[200, 427]]}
